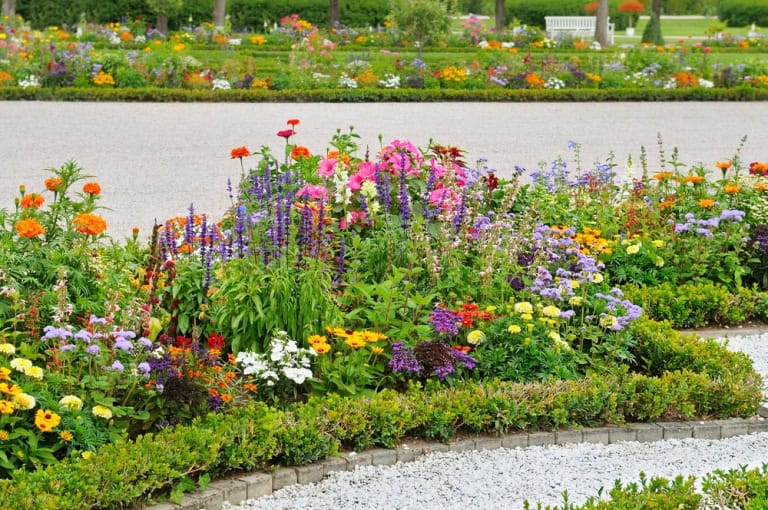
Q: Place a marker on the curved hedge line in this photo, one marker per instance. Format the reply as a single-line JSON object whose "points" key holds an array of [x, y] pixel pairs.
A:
{"points": [[381, 95], [695, 379]]}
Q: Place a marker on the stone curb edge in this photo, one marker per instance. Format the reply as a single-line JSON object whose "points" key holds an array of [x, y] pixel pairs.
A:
{"points": [[255, 485]]}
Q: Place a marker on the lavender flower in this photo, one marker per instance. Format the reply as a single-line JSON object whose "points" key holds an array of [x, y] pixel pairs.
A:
{"points": [[403, 196], [117, 366], [446, 322], [123, 344], [403, 359], [93, 349], [144, 368]]}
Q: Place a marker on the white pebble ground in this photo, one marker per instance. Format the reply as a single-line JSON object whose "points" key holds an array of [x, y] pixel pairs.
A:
{"points": [[505, 478]]}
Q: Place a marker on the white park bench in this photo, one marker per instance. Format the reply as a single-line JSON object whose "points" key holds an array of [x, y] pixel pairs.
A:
{"points": [[577, 26]]}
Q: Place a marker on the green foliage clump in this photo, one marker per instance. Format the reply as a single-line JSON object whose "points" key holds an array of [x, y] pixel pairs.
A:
{"points": [[652, 32], [740, 13], [421, 21]]}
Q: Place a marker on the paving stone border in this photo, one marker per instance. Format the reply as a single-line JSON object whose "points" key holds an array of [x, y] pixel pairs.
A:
{"points": [[250, 486]]}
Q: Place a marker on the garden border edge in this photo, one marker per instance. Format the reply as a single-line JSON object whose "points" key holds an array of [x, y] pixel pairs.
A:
{"points": [[235, 489]]}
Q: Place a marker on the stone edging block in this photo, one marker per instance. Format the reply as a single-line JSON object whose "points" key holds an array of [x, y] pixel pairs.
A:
{"points": [[256, 485]]}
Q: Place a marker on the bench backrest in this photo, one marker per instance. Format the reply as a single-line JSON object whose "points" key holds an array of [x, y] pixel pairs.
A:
{"points": [[571, 22]]}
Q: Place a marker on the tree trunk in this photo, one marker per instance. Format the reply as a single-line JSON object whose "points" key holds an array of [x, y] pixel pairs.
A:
{"points": [[334, 13], [9, 7], [501, 15], [656, 7], [219, 13], [162, 24], [601, 24]]}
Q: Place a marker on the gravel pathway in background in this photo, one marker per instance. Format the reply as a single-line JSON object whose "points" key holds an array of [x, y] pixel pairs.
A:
{"points": [[505, 478]]}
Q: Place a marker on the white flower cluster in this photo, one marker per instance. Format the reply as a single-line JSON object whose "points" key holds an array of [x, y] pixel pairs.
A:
{"points": [[220, 84], [347, 82], [390, 81], [554, 83], [29, 81], [706, 84], [285, 359]]}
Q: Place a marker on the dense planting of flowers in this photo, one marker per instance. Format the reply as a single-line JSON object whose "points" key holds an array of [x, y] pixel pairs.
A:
{"points": [[347, 273], [520, 57]]}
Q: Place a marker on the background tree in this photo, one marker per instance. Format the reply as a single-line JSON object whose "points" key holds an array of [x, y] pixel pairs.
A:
{"points": [[334, 13], [652, 32], [9, 7], [422, 21], [501, 15], [601, 23], [219, 13], [164, 9]]}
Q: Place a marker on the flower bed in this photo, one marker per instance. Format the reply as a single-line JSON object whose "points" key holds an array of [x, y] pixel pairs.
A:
{"points": [[365, 298]]}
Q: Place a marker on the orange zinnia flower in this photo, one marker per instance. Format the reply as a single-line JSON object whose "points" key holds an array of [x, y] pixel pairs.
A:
{"points": [[706, 203], [762, 187], [723, 165], [32, 200], [240, 152], [731, 188], [92, 188], [293, 122], [694, 179], [660, 176], [29, 228], [89, 224], [300, 152], [53, 183]]}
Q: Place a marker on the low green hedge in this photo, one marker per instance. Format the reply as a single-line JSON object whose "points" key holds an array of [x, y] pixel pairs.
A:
{"points": [[695, 379], [380, 95]]}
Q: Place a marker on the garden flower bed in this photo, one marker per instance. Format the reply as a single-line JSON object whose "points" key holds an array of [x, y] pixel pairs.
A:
{"points": [[349, 300]]}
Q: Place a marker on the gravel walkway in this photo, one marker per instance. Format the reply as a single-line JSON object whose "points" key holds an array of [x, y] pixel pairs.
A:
{"points": [[505, 478]]}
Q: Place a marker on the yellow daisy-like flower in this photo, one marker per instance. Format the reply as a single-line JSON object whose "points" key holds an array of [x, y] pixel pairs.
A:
{"points": [[514, 329], [87, 454], [46, 420], [7, 407], [4, 436], [551, 311], [658, 243], [10, 389], [377, 350], [102, 412], [475, 337], [24, 401], [66, 435], [6, 348], [524, 307], [321, 348], [316, 339], [20, 364], [355, 341], [34, 372], [372, 336], [527, 317], [71, 402], [608, 321], [5, 374]]}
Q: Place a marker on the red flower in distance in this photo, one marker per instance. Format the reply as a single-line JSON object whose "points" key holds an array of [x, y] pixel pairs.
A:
{"points": [[240, 152], [285, 133], [293, 122]]}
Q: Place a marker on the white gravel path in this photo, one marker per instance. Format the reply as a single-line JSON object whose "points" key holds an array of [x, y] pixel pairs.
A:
{"points": [[505, 478]]}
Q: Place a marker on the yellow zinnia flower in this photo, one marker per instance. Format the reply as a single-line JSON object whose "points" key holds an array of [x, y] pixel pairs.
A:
{"points": [[71, 402], [102, 412], [6, 348], [475, 337], [551, 311], [24, 401], [34, 372], [524, 307], [514, 329], [20, 364], [634, 248]]}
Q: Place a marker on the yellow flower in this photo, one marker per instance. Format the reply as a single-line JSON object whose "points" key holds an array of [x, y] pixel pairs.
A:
{"points": [[71, 402], [634, 248], [4, 436], [87, 454], [20, 364], [377, 350], [597, 278], [608, 321], [551, 311], [526, 317], [46, 420], [10, 389], [575, 284], [5, 374], [321, 348], [6, 348], [34, 372], [514, 329], [524, 307], [659, 262], [7, 407], [490, 308], [372, 336], [658, 243], [355, 341], [102, 412], [66, 435], [554, 335], [576, 301], [316, 339], [475, 337], [24, 401]]}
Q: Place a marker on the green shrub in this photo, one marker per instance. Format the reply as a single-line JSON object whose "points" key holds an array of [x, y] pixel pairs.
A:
{"points": [[739, 13], [533, 12]]}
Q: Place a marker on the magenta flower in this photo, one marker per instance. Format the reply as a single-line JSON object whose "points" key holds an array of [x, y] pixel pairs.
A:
{"points": [[327, 167], [313, 192]]}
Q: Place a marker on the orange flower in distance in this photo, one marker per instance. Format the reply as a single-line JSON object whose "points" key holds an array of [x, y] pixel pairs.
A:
{"points": [[29, 228], [694, 179], [33, 200], [240, 152], [731, 188], [293, 122], [89, 224], [660, 176], [723, 165], [706, 203], [53, 183], [92, 188], [300, 152]]}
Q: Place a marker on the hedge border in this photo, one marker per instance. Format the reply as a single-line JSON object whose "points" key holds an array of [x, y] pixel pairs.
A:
{"points": [[381, 95], [258, 484]]}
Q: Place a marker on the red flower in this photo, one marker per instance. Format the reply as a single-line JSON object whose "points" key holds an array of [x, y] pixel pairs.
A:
{"points": [[285, 133], [240, 152], [300, 152], [215, 341], [293, 122], [182, 342]]}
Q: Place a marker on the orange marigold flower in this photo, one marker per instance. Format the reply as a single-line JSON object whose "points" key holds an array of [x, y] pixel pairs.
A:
{"points": [[667, 203], [226, 397], [53, 183], [249, 386], [66, 435], [92, 188], [706, 203], [731, 188], [29, 228], [723, 165], [761, 187], [213, 392], [694, 179], [660, 176], [300, 152], [89, 224], [240, 152], [33, 200]]}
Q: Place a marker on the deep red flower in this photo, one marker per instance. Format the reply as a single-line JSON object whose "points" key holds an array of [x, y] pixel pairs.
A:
{"points": [[293, 122], [285, 133], [215, 341]]}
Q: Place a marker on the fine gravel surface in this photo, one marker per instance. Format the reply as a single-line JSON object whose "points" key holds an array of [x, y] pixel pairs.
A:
{"points": [[154, 159], [505, 478]]}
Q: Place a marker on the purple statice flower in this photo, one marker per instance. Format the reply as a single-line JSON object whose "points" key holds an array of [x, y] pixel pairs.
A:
{"points": [[340, 260], [446, 322], [240, 242], [403, 359], [169, 242], [144, 368], [123, 344], [117, 366], [215, 402], [54, 332], [93, 349], [429, 211]]}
